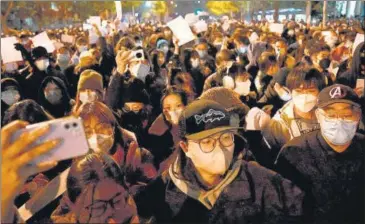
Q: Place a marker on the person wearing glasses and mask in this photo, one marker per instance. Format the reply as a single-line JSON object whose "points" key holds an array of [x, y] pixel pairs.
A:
{"points": [[328, 164], [96, 193], [210, 182]]}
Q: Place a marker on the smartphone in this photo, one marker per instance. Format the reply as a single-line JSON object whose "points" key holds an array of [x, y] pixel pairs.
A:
{"points": [[138, 55], [360, 83], [70, 130]]}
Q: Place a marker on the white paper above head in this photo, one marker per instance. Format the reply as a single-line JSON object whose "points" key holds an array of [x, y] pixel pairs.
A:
{"points": [[67, 39], [8, 51], [95, 20], [191, 18], [326, 33], [276, 28], [180, 28], [43, 40], [358, 40], [226, 26], [93, 37], [86, 26], [201, 26], [58, 45]]}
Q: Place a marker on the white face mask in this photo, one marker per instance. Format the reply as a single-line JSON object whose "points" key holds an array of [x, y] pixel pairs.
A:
{"points": [[216, 162], [243, 88], [165, 49], [228, 82], [99, 142], [54, 96], [195, 63], [42, 65], [82, 48], [140, 71], [291, 32], [10, 97], [304, 102], [337, 131], [88, 97], [173, 116], [202, 54]]}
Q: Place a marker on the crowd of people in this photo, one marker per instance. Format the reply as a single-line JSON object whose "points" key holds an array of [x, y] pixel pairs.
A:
{"points": [[240, 125]]}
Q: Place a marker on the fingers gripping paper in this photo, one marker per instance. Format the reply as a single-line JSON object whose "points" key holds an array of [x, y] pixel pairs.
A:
{"points": [[8, 51], [45, 196], [181, 30]]}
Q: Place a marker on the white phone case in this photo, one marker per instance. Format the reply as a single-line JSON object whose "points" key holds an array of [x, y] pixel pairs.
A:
{"points": [[70, 130]]}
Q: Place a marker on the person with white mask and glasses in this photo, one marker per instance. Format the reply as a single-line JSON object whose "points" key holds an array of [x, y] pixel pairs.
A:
{"points": [[210, 181], [328, 164], [297, 116]]}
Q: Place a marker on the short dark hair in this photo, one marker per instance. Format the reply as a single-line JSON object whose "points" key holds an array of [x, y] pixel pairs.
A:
{"points": [[306, 76], [174, 91], [243, 39]]}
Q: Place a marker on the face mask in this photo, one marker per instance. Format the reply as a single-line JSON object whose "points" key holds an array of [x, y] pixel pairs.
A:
{"points": [[99, 142], [291, 32], [228, 82], [325, 63], [139, 44], [218, 45], [243, 88], [304, 102], [201, 53], [174, 116], [140, 71], [331, 41], [277, 52], [53, 96], [63, 58], [82, 48], [88, 97], [165, 49], [337, 131], [10, 67], [10, 97], [42, 65], [195, 63], [215, 162], [242, 50]]}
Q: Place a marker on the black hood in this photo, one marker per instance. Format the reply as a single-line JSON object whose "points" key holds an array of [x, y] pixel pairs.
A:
{"points": [[26, 110], [55, 110]]}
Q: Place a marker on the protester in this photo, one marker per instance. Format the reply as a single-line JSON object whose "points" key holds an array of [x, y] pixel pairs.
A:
{"points": [[209, 175], [158, 86], [296, 117], [328, 164]]}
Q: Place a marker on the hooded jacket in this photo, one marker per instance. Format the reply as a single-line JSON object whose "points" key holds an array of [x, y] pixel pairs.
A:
{"points": [[248, 193], [60, 110]]}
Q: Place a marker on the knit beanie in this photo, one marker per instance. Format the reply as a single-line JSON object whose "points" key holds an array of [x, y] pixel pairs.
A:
{"points": [[135, 92], [90, 79]]}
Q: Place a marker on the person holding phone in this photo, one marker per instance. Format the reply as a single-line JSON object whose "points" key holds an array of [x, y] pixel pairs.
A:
{"points": [[16, 163]]}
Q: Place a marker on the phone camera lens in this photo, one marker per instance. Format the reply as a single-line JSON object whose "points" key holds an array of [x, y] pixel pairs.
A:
{"points": [[67, 126], [74, 125], [138, 55]]}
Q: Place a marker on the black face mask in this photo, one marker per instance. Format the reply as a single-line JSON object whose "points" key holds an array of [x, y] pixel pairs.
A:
{"points": [[325, 63], [133, 120]]}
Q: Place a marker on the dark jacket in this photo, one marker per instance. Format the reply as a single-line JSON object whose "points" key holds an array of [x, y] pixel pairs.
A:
{"points": [[107, 60], [60, 110], [255, 195], [333, 182]]}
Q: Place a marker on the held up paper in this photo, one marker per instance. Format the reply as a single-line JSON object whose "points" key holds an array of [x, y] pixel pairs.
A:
{"points": [[67, 39], [8, 52], [358, 39], [276, 28], [43, 40], [201, 26], [95, 20], [181, 30]]}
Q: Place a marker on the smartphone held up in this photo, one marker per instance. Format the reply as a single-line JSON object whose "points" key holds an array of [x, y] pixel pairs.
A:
{"points": [[69, 130]]}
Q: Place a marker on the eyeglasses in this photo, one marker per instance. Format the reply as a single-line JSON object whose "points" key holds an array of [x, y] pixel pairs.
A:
{"points": [[208, 144], [103, 128], [347, 117], [98, 208]]}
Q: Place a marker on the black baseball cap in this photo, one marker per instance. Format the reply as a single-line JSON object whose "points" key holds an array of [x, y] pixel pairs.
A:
{"points": [[204, 118], [337, 93]]}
